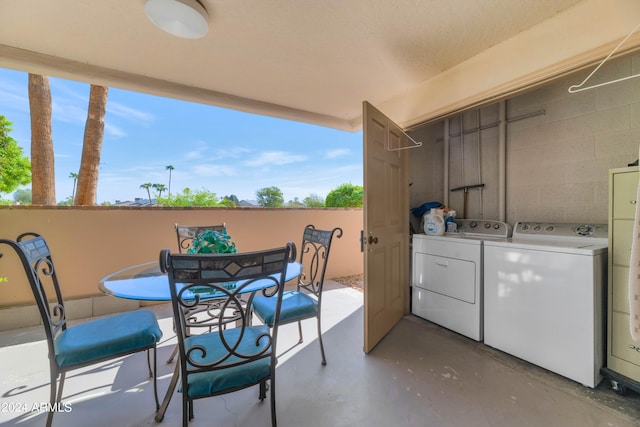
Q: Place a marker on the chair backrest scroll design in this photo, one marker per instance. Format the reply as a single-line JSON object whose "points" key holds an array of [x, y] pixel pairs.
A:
{"points": [[34, 254], [314, 254], [220, 280]]}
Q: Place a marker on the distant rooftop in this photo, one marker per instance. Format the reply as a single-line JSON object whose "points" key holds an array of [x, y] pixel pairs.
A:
{"points": [[138, 201]]}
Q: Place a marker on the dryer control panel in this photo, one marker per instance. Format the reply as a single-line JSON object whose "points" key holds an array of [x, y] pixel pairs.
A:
{"points": [[483, 227]]}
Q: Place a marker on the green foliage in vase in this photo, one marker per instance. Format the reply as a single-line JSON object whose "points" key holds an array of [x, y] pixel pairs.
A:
{"points": [[212, 242]]}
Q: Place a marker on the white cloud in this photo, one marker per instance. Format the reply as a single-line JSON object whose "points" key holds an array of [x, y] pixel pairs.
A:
{"points": [[70, 105], [131, 114], [68, 110], [114, 130], [198, 152], [214, 170], [340, 152], [275, 158], [63, 87], [230, 152], [67, 104], [12, 87], [203, 150], [12, 99]]}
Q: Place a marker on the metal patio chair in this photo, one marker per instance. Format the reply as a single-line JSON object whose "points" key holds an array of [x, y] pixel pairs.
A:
{"points": [[306, 301], [186, 233], [72, 347], [225, 359]]}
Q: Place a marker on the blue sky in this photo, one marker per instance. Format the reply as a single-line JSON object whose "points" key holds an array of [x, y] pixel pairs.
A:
{"points": [[223, 151]]}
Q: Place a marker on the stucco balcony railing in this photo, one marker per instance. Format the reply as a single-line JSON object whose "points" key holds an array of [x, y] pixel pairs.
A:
{"points": [[89, 243]]}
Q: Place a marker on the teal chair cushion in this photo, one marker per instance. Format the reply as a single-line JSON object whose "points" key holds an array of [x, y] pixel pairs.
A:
{"points": [[107, 337], [295, 306], [212, 382]]}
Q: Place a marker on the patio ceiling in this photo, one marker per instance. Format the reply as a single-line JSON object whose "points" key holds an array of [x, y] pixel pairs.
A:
{"points": [[313, 61]]}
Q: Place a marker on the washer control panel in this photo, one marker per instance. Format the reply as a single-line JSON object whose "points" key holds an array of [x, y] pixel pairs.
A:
{"points": [[560, 230], [483, 227]]}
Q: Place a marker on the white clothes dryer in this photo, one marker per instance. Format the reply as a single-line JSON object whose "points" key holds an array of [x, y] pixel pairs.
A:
{"points": [[544, 293], [447, 275]]}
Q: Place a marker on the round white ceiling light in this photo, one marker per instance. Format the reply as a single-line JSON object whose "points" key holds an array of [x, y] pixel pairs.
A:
{"points": [[182, 18]]}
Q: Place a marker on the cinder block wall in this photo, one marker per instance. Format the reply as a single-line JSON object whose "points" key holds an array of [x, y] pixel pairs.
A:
{"points": [[558, 163], [559, 149]]}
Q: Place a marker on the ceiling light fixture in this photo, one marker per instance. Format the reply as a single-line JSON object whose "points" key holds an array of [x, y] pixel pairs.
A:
{"points": [[182, 18]]}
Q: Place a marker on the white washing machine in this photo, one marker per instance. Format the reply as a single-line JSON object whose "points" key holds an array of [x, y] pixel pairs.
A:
{"points": [[447, 275], [544, 295]]}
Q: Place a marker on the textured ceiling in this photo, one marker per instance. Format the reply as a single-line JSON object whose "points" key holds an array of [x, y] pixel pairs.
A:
{"points": [[307, 60]]}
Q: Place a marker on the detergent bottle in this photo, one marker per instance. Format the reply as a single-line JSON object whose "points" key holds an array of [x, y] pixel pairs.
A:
{"points": [[434, 222], [450, 222]]}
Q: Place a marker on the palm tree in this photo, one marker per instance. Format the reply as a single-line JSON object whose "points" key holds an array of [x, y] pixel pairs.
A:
{"points": [[169, 168], [75, 181], [43, 185], [160, 188], [92, 146], [147, 186]]}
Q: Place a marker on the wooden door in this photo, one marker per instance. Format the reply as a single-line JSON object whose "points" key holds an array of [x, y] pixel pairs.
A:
{"points": [[386, 226]]}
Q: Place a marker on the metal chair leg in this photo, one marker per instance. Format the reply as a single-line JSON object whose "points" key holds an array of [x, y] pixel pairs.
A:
{"points": [[324, 360], [173, 354], [273, 402], [55, 397], [263, 391], [167, 397], [185, 412], [149, 364], [153, 373], [61, 386], [300, 331], [155, 377], [52, 396]]}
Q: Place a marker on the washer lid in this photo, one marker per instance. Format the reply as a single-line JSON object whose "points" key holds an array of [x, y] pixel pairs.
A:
{"points": [[586, 247]]}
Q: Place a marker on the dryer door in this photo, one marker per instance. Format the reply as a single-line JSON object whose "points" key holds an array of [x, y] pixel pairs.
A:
{"points": [[450, 277]]}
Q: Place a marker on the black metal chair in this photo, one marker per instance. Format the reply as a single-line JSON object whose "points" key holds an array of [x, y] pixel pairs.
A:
{"points": [[186, 233], [225, 359], [72, 347], [306, 301]]}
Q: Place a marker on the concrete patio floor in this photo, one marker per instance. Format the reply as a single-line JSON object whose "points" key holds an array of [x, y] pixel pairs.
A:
{"points": [[419, 375]]}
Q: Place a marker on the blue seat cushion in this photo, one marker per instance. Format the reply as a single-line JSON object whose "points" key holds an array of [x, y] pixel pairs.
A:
{"points": [[107, 337], [295, 306], [217, 381]]}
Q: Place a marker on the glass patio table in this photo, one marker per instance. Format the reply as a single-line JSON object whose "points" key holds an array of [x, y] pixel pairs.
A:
{"points": [[146, 282]]}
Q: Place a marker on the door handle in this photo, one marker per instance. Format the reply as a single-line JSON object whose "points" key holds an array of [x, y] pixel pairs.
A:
{"points": [[372, 240]]}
